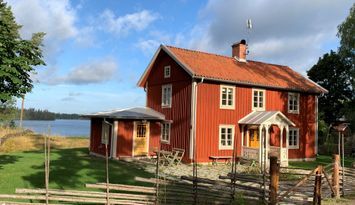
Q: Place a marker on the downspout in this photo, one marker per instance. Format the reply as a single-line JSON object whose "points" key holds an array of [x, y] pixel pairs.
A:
{"points": [[112, 130], [192, 154]]}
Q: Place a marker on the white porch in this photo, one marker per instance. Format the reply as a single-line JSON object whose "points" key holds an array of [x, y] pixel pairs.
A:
{"points": [[255, 130]]}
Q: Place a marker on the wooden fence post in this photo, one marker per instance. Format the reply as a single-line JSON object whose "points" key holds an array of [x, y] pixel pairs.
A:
{"points": [[274, 180], [317, 196], [157, 179], [336, 163]]}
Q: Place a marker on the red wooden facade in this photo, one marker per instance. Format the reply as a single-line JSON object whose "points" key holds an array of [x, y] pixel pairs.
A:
{"points": [[196, 77], [124, 138], [180, 111]]}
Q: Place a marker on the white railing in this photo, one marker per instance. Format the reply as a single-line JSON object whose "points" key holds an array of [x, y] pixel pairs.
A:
{"points": [[251, 153]]}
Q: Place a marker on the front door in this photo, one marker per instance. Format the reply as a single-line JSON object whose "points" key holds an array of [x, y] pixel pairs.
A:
{"points": [[140, 138], [254, 138]]}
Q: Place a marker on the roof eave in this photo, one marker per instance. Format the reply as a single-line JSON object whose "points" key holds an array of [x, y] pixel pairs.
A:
{"points": [[144, 77], [257, 85]]}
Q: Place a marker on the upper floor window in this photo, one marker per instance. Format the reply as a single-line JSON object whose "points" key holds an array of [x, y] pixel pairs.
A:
{"points": [[293, 138], [105, 132], [165, 132], [258, 101], [293, 102], [227, 97], [226, 136], [166, 93], [167, 71]]}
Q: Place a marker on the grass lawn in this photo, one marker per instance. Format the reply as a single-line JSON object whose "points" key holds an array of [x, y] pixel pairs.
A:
{"points": [[69, 169], [321, 160]]}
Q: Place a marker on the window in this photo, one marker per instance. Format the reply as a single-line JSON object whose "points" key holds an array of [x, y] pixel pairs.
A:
{"points": [[165, 132], [105, 133], [227, 97], [293, 102], [258, 100], [293, 138], [226, 136], [167, 70], [166, 96]]}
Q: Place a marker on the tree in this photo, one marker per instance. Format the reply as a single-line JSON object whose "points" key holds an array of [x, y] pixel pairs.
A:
{"points": [[17, 56], [332, 73], [346, 33], [7, 112]]}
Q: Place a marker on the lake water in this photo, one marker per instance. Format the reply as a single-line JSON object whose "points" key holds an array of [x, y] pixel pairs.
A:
{"points": [[69, 128]]}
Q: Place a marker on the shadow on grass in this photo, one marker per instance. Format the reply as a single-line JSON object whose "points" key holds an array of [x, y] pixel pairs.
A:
{"points": [[73, 168], [8, 159]]}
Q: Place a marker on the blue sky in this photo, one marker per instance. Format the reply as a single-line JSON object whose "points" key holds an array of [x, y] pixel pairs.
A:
{"points": [[96, 50]]}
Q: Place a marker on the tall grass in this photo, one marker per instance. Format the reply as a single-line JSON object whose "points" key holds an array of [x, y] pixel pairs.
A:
{"points": [[31, 141]]}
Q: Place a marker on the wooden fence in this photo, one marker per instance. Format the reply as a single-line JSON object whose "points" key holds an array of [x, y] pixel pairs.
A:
{"points": [[278, 184]]}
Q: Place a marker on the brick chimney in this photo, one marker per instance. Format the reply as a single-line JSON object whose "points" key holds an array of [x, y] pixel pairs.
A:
{"points": [[239, 51]]}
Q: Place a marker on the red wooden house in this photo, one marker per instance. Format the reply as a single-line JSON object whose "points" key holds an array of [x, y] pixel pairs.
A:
{"points": [[212, 102]]}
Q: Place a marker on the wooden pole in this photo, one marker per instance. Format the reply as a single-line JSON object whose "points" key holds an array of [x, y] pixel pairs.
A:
{"points": [[274, 180], [107, 177], [22, 107], [339, 143], [342, 165], [45, 167], [157, 179], [317, 195], [336, 163]]}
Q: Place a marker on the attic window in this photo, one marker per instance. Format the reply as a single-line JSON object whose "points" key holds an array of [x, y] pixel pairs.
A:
{"points": [[167, 72]]}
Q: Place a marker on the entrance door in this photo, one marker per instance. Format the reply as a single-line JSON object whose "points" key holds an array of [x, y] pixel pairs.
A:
{"points": [[254, 138], [140, 138]]}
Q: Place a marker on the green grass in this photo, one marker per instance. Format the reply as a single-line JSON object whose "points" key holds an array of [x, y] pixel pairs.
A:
{"points": [[69, 169], [321, 160]]}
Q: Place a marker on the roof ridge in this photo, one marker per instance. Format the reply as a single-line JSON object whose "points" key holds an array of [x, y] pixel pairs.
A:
{"points": [[199, 51], [224, 56]]}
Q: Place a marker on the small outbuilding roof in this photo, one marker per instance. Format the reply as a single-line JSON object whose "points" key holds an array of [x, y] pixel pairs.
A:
{"points": [[261, 117], [135, 113]]}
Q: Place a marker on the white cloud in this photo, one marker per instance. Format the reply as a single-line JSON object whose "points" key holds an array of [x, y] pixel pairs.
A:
{"points": [[288, 32], [93, 72], [122, 25], [55, 18]]}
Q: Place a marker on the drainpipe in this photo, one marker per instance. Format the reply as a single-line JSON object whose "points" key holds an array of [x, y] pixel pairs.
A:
{"points": [[112, 130], [192, 154]]}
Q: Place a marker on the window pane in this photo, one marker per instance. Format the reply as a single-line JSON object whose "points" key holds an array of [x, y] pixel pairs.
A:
{"points": [[255, 94], [261, 104], [261, 94]]}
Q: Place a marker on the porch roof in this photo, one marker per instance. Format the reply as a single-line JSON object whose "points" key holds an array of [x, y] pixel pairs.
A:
{"points": [[264, 117], [135, 113]]}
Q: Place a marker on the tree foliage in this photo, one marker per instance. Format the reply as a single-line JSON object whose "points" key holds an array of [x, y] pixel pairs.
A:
{"points": [[17, 56], [332, 73], [346, 33], [38, 114], [7, 112]]}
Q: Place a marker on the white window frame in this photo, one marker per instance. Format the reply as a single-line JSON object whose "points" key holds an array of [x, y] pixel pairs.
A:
{"points": [[295, 111], [252, 101], [163, 127], [164, 103], [221, 106], [225, 147], [105, 133], [167, 74], [297, 138]]}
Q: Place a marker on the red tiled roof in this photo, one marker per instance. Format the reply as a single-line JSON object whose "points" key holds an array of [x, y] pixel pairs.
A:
{"points": [[228, 69]]}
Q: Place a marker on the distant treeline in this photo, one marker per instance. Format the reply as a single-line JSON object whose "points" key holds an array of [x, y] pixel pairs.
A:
{"points": [[38, 114]]}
